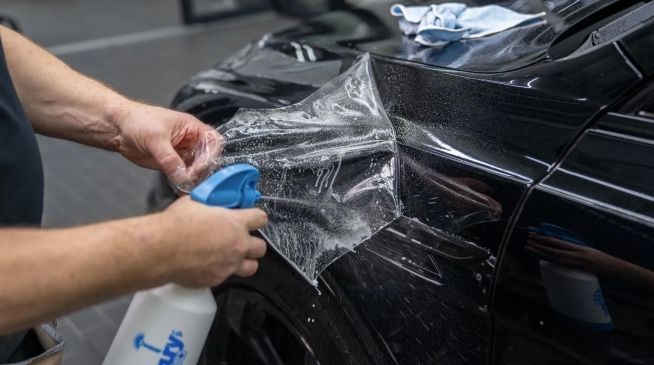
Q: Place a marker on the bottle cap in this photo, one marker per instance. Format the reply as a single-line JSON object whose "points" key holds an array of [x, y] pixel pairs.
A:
{"points": [[234, 186]]}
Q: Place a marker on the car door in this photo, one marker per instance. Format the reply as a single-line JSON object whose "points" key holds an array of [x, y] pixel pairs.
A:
{"points": [[576, 283], [470, 148]]}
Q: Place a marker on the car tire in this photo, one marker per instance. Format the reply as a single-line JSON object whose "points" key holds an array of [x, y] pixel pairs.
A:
{"points": [[277, 317]]}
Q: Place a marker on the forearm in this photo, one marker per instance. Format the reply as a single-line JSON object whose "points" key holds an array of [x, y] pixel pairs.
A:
{"points": [[59, 101], [630, 273], [46, 273]]}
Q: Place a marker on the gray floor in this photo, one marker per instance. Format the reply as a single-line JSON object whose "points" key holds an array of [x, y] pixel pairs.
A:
{"points": [[147, 56]]}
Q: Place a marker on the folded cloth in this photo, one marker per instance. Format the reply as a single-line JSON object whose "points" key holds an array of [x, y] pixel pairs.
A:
{"points": [[435, 25]]}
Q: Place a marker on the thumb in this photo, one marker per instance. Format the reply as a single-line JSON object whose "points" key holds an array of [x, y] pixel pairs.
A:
{"points": [[172, 165]]}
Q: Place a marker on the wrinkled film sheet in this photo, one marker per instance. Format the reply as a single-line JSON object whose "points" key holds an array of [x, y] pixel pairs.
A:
{"points": [[328, 168]]}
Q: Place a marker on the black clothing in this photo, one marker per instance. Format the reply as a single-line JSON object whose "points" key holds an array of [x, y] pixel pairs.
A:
{"points": [[27, 347], [21, 183], [21, 172]]}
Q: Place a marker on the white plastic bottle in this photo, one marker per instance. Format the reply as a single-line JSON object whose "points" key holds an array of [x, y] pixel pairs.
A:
{"points": [[577, 295], [169, 325], [164, 326]]}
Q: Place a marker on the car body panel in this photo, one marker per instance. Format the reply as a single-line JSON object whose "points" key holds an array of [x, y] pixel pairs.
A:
{"points": [[639, 46], [472, 146], [604, 193], [373, 29]]}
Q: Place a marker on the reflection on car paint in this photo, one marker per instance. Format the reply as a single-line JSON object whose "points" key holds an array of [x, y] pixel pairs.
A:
{"points": [[269, 63], [472, 203], [617, 233], [425, 243]]}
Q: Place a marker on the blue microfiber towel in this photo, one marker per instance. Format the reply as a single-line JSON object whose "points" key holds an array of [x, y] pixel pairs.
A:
{"points": [[434, 25]]}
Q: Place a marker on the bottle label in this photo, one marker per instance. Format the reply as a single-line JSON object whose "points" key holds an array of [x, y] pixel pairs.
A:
{"points": [[173, 353], [599, 301]]}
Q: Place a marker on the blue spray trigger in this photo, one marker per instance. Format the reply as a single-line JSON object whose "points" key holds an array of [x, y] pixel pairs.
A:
{"points": [[558, 232], [234, 186]]}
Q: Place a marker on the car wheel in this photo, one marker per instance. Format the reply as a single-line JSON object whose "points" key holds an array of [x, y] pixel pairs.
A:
{"points": [[277, 317]]}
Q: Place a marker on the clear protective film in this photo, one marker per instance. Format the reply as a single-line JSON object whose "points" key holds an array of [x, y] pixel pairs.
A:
{"points": [[328, 168]]}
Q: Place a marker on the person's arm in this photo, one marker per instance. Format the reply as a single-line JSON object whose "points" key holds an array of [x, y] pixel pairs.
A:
{"points": [[63, 103], [47, 273]]}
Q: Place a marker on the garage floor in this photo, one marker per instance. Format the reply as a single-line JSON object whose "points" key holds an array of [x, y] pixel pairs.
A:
{"points": [[139, 48]]}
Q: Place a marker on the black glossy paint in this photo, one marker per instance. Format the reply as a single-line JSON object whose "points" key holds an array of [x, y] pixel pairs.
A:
{"points": [[639, 47], [604, 193], [494, 138]]}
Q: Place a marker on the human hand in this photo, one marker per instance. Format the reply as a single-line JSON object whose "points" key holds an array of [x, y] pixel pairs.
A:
{"points": [[178, 144], [480, 195], [589, 259], [206, 244], [571, 254]]}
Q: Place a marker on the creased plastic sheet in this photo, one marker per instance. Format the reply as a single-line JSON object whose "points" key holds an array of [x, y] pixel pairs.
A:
{"points": [[328, 168]]}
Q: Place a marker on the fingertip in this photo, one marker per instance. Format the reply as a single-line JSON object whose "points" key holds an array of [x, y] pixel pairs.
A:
{"points": [[247, 268], [262, 219], [263, 216], [264, 246], [181, 180], [254, 218], [257, 248], [206, 155]]}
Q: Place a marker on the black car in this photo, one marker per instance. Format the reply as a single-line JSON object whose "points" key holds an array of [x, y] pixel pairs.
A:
{"points": [[526, 178]]}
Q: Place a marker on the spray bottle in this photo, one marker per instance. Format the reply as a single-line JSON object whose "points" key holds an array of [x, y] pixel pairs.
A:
{"points": [[574, 294], [168, 325]]}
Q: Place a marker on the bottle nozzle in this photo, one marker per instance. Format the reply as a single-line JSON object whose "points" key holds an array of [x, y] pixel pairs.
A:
{"points": [[234, 186]]}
